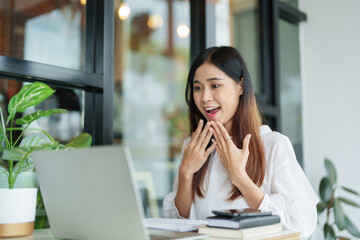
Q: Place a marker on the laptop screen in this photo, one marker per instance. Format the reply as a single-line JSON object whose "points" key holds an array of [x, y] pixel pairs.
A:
{"points": [[90, 193]]}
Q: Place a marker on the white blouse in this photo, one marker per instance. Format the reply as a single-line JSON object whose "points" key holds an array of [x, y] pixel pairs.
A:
{"points": [[288, 192]]}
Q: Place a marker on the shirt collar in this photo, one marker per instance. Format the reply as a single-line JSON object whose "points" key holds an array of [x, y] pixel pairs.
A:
{"points": [[264, 129]]}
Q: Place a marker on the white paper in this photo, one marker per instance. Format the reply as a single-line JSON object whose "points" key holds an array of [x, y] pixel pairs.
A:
{"points": [[173, 224]]}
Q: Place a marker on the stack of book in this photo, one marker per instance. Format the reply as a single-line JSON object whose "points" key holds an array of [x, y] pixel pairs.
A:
{"points": [[246, 227]]}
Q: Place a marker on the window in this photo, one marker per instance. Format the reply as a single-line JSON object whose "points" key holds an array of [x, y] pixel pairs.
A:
{"points": [[289, 75], [75, 56], [152, 57], [266, 34], [30, 30]]}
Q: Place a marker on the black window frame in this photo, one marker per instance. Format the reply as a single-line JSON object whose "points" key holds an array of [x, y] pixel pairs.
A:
{"points": [[97, 78], [269, 13]]}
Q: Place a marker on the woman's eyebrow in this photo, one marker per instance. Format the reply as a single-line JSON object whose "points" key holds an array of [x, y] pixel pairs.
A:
{"points": [[213, 79], [209, 80]]}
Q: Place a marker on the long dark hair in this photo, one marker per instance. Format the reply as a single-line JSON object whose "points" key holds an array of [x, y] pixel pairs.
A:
{"points": [[247, 118]]}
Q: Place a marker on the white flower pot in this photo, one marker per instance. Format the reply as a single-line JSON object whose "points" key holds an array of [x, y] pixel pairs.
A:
{"points": [[17, 211]]}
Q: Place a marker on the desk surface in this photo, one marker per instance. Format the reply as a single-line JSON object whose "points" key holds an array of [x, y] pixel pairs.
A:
{"points": [[45, 234], [41, 234]]}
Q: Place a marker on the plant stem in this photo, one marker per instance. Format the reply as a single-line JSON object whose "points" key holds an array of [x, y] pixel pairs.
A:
{"points": [[5, 138], [11, 184], [11, 142], [330, 204], [22, 133]]}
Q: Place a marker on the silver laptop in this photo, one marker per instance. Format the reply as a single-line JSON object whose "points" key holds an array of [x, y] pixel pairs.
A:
{"points": [[90, 193]]}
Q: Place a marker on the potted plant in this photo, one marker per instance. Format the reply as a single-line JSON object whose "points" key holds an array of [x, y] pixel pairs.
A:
{"points": [[17, 205], [332, 204]]}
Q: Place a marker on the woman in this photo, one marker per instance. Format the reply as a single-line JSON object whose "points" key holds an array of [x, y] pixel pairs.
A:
{"points": [[231, 159]]}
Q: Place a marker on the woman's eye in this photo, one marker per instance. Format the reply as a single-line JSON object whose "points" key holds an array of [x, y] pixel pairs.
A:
{"points": [[215, 85], [197, 88]]}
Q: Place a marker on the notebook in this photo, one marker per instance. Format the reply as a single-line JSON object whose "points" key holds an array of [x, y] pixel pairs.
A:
{"points": [[246, 233], [242, 222], [90, 193]]}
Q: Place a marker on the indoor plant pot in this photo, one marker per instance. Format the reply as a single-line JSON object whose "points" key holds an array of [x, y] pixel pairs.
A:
{"points": [[17, 208], [12, 216], [18, 205]]}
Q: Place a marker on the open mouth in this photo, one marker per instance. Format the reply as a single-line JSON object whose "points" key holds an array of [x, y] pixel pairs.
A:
{"points": [[211, 111]]}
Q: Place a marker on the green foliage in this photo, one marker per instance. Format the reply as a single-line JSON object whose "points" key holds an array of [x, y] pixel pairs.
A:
{"points": [[18, 155], [329, 232], [29, 95], [332, 204], [41, 220], [83, 140], [331, 171], [325, 190], [36, 115], [339, 215], [349, 202], [350, 190], [351, 228]]}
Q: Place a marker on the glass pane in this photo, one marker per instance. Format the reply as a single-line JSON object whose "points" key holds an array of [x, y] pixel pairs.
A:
{"points": [[45, 31], [152, 47], [293, 3], [62, 127], [239, 28], [290, 85]]}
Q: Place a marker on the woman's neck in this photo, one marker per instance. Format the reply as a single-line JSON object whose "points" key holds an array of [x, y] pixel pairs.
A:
{"points": [[228, 127]]}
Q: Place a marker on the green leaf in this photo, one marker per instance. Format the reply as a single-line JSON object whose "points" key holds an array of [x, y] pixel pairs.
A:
{"points": [[325, 190], [350, 190], [83, 140], [349, 202], [321, 206], [2, 129], [41, 221], [35, 139], [331, 171], [352, 229], [16, 154], [38, 114], [339, 215], [22, 153], [329, 232], [22, 166], [4, 171], [29, 95]]}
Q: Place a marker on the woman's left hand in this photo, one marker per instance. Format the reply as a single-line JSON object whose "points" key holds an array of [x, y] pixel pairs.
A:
{"points": [[233, 159]]}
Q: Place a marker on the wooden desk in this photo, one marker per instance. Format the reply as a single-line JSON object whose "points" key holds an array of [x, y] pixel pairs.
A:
{"points": [[41, 234], [284, 235], [45, 234]]}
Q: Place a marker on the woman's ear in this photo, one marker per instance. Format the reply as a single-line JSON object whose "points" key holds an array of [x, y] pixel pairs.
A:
{"points": [[240, 87]]}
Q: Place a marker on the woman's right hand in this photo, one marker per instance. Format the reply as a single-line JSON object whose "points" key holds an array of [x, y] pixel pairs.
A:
{"points": [[195, 153]]}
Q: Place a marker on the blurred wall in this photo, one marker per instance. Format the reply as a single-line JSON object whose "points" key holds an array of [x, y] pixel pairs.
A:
{"points": [[330, 49]]}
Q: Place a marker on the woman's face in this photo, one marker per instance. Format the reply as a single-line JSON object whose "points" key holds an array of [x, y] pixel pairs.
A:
{"points": [[216, 95]]}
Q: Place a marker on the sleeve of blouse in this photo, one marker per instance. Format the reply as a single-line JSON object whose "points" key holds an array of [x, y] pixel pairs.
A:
{"points": [[169, 208], [292, 196]]}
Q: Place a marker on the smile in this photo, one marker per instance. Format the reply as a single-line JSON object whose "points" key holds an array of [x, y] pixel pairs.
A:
{"points": [[211, 111]]}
